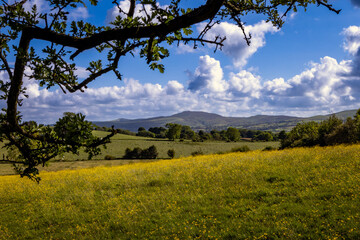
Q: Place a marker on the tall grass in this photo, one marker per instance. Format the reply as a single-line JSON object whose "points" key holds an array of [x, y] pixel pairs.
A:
{"points": [[291, 194]]}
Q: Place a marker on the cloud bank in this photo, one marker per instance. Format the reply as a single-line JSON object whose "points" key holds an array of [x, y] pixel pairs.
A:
{"points": [[327, 85]]}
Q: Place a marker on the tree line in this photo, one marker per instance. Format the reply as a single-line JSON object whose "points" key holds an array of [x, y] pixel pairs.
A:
{"points": [[174, 131], [332, 131]]}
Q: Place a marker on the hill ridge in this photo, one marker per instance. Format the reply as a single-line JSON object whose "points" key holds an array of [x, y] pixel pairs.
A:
{"points": [[200, 120]]}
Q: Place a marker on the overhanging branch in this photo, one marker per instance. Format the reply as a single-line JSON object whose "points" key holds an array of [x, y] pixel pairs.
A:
{"points": [[199, 14]]}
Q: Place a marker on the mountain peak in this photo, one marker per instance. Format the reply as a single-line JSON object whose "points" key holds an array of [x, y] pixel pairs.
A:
{"points": [[195, 114]]}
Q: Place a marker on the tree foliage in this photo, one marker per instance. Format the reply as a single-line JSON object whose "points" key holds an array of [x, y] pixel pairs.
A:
{"points": [[171, 153], [173, 132], [302, 135], [138, 153], [332, 131], [233, 134], [64, 40]]}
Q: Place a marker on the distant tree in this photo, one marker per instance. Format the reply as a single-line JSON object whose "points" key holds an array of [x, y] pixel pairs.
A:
{"points": [[327, 128], [204, 136], [302, 135], [124, 131], [215, 135], [138, 153], [171, 153], [157, 130], [149, 153], [145, 133], [247, 133], [233, 134], [264, 136], [187, 133], [140, 129], [357, 124], [331, 131], [160, 132], [223, 134], [282, 135], [344, 133], [173, 132], [196, 138], [132, 154]]}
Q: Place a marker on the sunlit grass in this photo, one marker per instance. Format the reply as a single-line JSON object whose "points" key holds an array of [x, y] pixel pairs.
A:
{"points": [[291, 194]]}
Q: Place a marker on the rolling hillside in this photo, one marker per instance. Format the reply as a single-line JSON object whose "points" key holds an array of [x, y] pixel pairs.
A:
{"points": [[209, 121], [291, 194]]}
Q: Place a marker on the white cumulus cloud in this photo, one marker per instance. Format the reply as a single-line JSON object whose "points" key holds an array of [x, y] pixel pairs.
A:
{"points": [[276, 86], [352, 39], [208, 76], [245, 83], [235, 45]]}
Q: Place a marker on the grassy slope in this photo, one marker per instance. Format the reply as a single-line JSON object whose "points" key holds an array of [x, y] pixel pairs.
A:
{"points": [[291, 194]]}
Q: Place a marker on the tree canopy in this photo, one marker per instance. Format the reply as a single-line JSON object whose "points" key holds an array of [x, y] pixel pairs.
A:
{"points": [[54, 64]]}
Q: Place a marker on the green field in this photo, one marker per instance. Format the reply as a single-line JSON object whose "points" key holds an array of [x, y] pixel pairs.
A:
{"points": [[305, 193], [182, 149], [120, 142]]}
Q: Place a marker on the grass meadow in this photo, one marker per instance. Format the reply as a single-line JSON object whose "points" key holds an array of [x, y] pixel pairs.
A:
{"points": [[182, 149], [291, 194], [120, 142]]}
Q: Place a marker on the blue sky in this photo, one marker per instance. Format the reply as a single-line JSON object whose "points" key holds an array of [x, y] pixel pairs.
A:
{"points": [[311, 66]]}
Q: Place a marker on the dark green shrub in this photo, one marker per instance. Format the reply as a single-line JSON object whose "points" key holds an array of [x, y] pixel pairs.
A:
{"points": [[264, 136], [171, 153], [109, 157], [244, 148], [138, 153], [269, 148], [145, 133], [149, 153], [132, 154], [197, 153]]}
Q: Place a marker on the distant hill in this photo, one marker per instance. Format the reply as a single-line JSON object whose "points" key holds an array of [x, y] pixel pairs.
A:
{"points": [[208, 121]]}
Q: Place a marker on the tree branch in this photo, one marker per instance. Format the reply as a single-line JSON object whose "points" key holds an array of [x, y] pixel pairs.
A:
{"points": [[16, 82], [7, 67], [132, 8], [329, 6], [199, 14], [112, 67]]}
